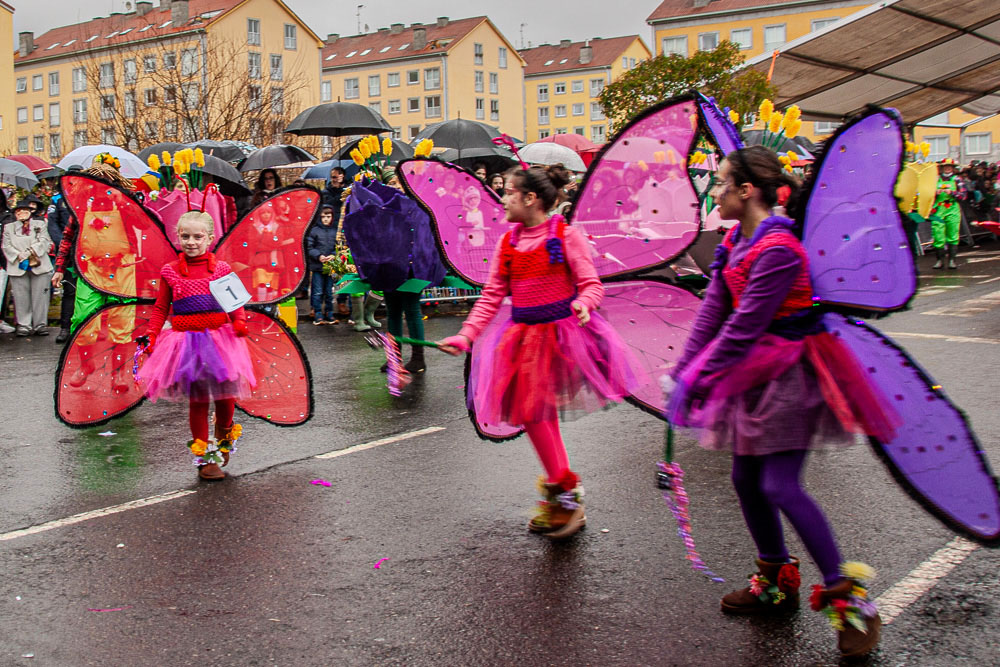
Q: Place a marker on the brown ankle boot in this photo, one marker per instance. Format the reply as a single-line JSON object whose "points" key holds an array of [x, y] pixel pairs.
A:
{"points": [[773, 589], [211, 472], [851, 613], [207, 459], [561, 514]]}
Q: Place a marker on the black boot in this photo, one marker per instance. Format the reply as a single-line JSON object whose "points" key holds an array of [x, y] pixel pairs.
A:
{"points": [[63, 336], [939, 264], [952, 253], [416, 362]]}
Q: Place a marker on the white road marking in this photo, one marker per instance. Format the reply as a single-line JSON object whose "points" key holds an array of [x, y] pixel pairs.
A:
{"points": [[945, 337], [989, 281], [172, 495], [922, 578], [93, 514], [379, 443], [968, 307]]}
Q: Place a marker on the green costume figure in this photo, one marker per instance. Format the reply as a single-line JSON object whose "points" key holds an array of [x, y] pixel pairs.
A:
{"points": [[946, 215]]}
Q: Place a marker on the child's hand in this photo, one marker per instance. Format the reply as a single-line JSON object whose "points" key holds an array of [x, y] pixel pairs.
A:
{"points": [[240, 327], [582, 312], [454, 345]]}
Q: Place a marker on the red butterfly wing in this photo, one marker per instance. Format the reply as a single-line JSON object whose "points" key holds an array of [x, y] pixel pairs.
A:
{"points": [[94, 381], [283, 395], [120, 247], [266, 248]]}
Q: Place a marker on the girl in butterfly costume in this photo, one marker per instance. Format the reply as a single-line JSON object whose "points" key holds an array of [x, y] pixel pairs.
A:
{"points": [[203, 357], [762, 376], [555, 355]]}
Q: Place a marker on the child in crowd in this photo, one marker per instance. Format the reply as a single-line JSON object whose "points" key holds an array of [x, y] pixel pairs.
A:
{"points": [[321, 247]]}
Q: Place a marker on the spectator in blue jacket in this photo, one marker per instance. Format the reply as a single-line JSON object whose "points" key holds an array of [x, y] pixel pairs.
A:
{"points": [[321, 248]]}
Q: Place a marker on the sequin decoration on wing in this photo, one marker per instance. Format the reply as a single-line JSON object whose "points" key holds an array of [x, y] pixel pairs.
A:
{"points": [[467, 217], [637, 205], [94, 381], [935, 455], [852, 230], [283, 395], [120, 247], [265, 248]]}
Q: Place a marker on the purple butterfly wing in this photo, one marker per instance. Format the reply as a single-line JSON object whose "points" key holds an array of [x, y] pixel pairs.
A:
{"points": [[935, 455], [468, 218], [654, 319], [474, 383], [858, 253], [723, 132], [637, 205]]}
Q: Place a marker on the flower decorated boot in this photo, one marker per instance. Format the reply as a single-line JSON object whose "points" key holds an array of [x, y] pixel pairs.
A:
{"points": [[561, 513], [773, 589], [851, 613], [226, 438], [207, 458]]}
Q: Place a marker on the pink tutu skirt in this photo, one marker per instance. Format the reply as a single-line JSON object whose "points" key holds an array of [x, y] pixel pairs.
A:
{"points": [[527, 373], [203, 365], [785, 394]]}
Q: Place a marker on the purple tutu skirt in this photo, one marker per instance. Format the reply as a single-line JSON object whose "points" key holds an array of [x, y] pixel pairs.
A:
{"points": [[528, 373], [203, 365], [784, 395]]}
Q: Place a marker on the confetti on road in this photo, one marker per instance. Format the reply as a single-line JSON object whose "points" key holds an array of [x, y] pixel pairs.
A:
{"points": [[107, 434], [379, 563], [320, 482]]}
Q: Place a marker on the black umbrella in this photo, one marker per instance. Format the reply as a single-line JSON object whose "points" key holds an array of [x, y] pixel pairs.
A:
{"points": [[157, 149], [459, 133], [338, 119], [224, 175], [400, 151], [278, 156], [220, 149]]}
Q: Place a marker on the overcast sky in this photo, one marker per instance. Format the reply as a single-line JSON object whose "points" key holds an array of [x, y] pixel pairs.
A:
{"points": [[545, 21]]}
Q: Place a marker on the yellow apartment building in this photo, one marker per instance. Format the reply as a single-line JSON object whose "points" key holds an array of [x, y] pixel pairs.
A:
{"points": [[427, 73], [6, 77], [179, 71], [563, 81]]}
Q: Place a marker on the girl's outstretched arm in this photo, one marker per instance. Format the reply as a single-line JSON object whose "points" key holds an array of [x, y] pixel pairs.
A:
{"points": [[496, 288]]}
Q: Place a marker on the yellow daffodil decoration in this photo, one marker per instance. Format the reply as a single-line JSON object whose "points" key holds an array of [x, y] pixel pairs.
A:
{"points": [[372, 156], [424, 148], [698, 157], [779, 126]]}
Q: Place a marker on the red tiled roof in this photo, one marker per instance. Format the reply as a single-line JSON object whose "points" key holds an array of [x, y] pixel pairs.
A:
{"points": [[671, 9], [556, 58], [120, 29]]}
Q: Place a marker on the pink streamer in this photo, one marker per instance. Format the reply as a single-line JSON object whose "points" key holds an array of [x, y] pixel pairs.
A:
{"points": [[505, 140]]}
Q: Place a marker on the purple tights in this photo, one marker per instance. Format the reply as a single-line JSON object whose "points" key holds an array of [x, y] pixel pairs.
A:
{"points": [[767, 484]]}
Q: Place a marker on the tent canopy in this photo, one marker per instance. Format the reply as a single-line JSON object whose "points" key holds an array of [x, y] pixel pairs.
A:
{"points": [[922, 57]]}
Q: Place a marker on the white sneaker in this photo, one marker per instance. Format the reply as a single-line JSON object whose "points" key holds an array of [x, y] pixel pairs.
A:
{"points": [[5, 328]]}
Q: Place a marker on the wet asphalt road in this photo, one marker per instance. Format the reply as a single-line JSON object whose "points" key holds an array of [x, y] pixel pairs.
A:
{"points": [[269, 569]]}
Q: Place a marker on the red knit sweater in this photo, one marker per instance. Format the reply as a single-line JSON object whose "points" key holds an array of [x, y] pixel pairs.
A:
{"points": [[190, 277]]}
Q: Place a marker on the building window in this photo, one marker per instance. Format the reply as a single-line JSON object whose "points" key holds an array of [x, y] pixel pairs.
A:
{"points": [[79, 78], [560, 88], [432, 106], [596, 112], [107, 107], [494, 83], [255, 97], [352, 90], [39, 142], [149, 97], [22, 144], [189, 62], [22, 114], [38, 112], [253, 65], [742, 37], [413, 104], [395, 106], [80, 111], [170, 128], [631, 63], [977, 144], [397, 133], [774, 37], [543, 115], [326, 91], [151, 130], [939, 148], [192, 95], [129, 103], [169, 60], [37, 81], [675, 46], [22, 83], [291, 38], [560, 111], [598, 134], [54, 119], [819, 24], [542, 134], [374, 85], [480, 109], [278, 101], [432, 78], [502, 57], [253, 32], [543, 92], [53, 83], [414, 131], [577, 86], [495, 110], [412, 77], [109, 136], [55, 145], [560, 130], [824, 127], [277, 69], [130, 72], [624, 62], [169, 97], [708, 41], [596, 86], [79, 138], [392, 79], [187, 130], [376, 107], [478, 78], [107, 75], [149, 64], [578, 108], [477, 54]]}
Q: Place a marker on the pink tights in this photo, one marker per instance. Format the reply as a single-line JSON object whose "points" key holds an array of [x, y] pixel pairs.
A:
{"points": [[550, 448]]}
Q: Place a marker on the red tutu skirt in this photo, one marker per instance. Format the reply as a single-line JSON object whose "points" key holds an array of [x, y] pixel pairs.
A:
{"points": [[529, 373]]}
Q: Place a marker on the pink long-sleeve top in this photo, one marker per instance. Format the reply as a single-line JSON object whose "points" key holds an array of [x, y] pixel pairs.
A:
{"points": [[589, 289]]}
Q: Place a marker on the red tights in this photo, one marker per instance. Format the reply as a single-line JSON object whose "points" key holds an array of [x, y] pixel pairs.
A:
{"points": [[198, 418], [549, 446]]}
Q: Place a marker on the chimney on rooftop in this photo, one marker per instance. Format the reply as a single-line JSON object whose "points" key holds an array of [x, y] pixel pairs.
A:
{"points": [[332, 37], [419, 37], [178, 12], [563, 43], [442, 21], [143, 7], [26, 43], [586, 53], [396, 28]]}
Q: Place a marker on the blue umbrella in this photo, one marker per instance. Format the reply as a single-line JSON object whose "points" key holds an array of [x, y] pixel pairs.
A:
{"points": [[321, 171]]}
